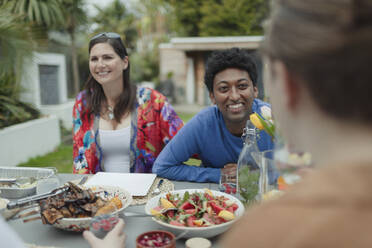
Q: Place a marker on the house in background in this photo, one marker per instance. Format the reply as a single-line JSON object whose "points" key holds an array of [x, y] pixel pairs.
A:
{"points": [[44, 83], [47, 79], [186, 57], [44, 86]]}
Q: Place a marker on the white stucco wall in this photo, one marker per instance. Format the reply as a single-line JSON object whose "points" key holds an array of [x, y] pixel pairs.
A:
{"points": [[20, 142], [62, 111]]}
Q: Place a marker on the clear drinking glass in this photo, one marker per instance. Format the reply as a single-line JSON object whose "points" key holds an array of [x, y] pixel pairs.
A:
{"points": [[228, 179], [103, 224], [269, 173]]}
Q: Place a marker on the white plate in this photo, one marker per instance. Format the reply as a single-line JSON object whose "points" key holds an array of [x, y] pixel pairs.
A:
{"points": [[137, 184], [205, 232], [106, 192]]}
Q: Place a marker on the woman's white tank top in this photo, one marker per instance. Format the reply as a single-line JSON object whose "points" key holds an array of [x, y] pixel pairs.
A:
{"points": [[115, 145]]}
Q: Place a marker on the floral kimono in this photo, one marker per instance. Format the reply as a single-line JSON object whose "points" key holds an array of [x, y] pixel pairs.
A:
{"points": [[153, 123]]}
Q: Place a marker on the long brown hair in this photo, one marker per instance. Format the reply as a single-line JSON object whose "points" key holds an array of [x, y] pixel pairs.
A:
{"points": [[94, 91], [328, 44]]}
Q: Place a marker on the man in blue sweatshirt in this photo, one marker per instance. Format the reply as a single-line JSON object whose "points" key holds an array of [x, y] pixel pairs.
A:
{"points": [[214, 134]]}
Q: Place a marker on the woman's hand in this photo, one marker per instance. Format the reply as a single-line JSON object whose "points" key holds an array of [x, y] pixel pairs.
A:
{"points": [[114, 239]]}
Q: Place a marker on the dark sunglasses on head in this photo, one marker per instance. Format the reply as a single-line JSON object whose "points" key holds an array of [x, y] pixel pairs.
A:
{"points": [[110, 35]]}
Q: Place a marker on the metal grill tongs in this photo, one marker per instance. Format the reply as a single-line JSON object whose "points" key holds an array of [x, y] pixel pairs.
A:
{"points": [[30, 200], [35, 198]]}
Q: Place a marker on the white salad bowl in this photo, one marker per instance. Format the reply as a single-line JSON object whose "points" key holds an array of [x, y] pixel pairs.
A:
{"points": [[188, 232]]}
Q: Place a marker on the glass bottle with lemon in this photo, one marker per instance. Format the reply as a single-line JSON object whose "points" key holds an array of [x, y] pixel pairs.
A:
{"points": [[256, 170], [248, 169]]}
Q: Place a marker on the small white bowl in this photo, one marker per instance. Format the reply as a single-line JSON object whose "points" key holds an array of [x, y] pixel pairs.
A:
{"points": [[188, 232], [106, 192]]}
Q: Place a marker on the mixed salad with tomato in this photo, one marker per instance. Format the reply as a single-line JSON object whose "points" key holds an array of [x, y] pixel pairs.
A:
{"points": [[197, 209]]}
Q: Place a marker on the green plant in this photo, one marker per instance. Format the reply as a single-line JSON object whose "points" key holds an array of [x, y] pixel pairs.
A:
{"points": [[39, 12], [13, 111], [116, 17], [216, 17], [145, 66], [248, 181], [15, 45]]}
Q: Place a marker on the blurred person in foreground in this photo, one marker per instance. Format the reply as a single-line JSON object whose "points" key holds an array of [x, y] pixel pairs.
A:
{"points": [[118, 127], [214, 134], [319, 79], [114, 239]]}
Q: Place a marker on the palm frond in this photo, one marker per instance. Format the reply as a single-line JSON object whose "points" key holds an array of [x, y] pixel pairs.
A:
{"points": [[15, 42], [36, 9], [13, 111], [40, 12]]}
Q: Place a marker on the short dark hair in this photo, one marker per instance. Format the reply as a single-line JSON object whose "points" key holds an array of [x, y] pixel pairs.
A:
{"points": [[229, 58]]}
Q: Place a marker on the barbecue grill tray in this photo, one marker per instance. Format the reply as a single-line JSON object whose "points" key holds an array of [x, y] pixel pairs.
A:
{"points": [[16, 172]]}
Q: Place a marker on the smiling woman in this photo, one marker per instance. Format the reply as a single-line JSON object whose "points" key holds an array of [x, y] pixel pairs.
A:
{"points": [[105, 65], [118, 127]]}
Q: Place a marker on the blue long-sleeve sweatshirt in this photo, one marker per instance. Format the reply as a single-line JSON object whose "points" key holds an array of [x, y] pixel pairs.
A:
{"points": [[206, 135]]}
